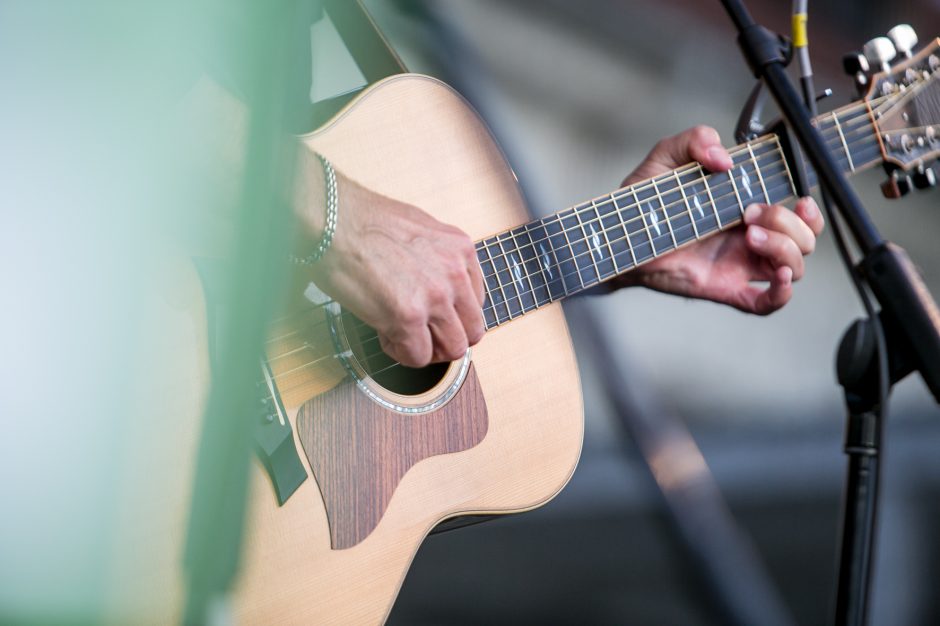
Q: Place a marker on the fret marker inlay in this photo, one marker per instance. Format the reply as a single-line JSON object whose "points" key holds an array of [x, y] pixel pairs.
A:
{"points": [[517, 272], [654, 219], [596, 242], [746, 181], [546, 261]]}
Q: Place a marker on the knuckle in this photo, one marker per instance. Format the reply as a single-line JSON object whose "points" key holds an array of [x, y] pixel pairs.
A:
{"points": [[475, 335], [416, 354], [438, 294], [455, 269], [410, 314], [455, 350]]}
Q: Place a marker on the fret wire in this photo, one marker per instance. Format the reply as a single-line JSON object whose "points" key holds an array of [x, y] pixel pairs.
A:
{"points": [[588, 243], [870, 135], [760, 176], [510, 271], [610, 249], [572, 252], [777, 160], [551, 249], [789, 174], [734, 222], [538, 261], [492, 308], [561, 269], [711, 198], [845, 146], [769, 141], [626, 232], [727, 224], [499, 283], [672, 234], [735, 188], [639, 208], [525, 271], [685, 201]]}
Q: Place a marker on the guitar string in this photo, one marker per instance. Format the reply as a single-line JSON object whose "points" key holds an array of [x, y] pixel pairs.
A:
{"points": [[673, 219], [605, 231], [394, 364], [754, 160], [726, 225], [766, 192], [563, 231], [846, 126], [490, 246]]}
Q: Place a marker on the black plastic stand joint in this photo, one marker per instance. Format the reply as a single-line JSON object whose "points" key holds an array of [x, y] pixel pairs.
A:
{"points": [[762, 47], [861, 434]]}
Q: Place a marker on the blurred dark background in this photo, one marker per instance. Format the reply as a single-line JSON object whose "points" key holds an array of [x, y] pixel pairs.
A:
{"points": [[577, 92]]}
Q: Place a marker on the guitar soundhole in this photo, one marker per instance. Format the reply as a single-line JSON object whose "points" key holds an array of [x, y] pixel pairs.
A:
{"points": [[383, 369]]}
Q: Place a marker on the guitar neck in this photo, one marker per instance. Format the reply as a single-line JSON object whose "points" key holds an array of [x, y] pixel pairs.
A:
{"points": [[563, 254]]}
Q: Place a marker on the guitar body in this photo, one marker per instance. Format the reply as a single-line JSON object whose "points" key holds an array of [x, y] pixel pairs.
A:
{"points": [[500, 432]]}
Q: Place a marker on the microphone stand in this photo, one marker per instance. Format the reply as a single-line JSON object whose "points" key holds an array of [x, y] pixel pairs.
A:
{"points": [[911, 319]]}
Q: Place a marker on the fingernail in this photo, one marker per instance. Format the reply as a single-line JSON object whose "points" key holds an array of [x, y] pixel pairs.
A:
{"points": [[718, 154], [757, 234], [787, 275], [752, 212], [811, 210]]}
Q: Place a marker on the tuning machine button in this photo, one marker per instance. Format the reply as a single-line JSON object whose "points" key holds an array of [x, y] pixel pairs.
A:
{"points": [[904, 38], [856, 65], [897, 186], [924, 177], [880, 51]]}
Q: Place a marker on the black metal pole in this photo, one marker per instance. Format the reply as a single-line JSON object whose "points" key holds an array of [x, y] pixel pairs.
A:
{"points": [[903, 296]]}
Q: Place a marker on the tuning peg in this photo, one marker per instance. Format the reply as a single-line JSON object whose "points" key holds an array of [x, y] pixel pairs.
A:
{"points": [[856, 65], [897, 186], [924, 177], [880, 51], [904, 38]]}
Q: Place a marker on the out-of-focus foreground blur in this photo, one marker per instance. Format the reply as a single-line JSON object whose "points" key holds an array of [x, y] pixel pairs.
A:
{"points": [[576, 93]]}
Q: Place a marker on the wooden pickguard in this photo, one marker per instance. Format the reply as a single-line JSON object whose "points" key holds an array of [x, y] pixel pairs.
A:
{"points": [[359, 450]]}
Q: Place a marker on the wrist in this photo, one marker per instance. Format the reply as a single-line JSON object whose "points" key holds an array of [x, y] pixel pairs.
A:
{"points": [[316, 197]]}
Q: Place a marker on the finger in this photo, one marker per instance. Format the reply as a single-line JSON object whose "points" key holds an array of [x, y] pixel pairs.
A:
{"points": [[809, 212], [779, 249], [470, 312], [753, 299], [704, 146], [413, 350], [450, 340], [701, 143], [476, 279], [779, 219]]}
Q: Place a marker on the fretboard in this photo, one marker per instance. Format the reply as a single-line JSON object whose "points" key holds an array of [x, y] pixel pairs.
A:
{"points": [[563, 254]]}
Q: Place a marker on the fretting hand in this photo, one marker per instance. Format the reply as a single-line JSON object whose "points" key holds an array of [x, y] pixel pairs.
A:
{"points": [[769, 246]]}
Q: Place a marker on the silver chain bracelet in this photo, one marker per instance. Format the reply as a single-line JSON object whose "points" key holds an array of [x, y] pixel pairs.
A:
{"points": [[332, 206]]}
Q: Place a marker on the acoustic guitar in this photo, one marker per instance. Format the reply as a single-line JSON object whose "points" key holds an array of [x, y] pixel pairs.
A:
{"points": [[360, 457]]}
